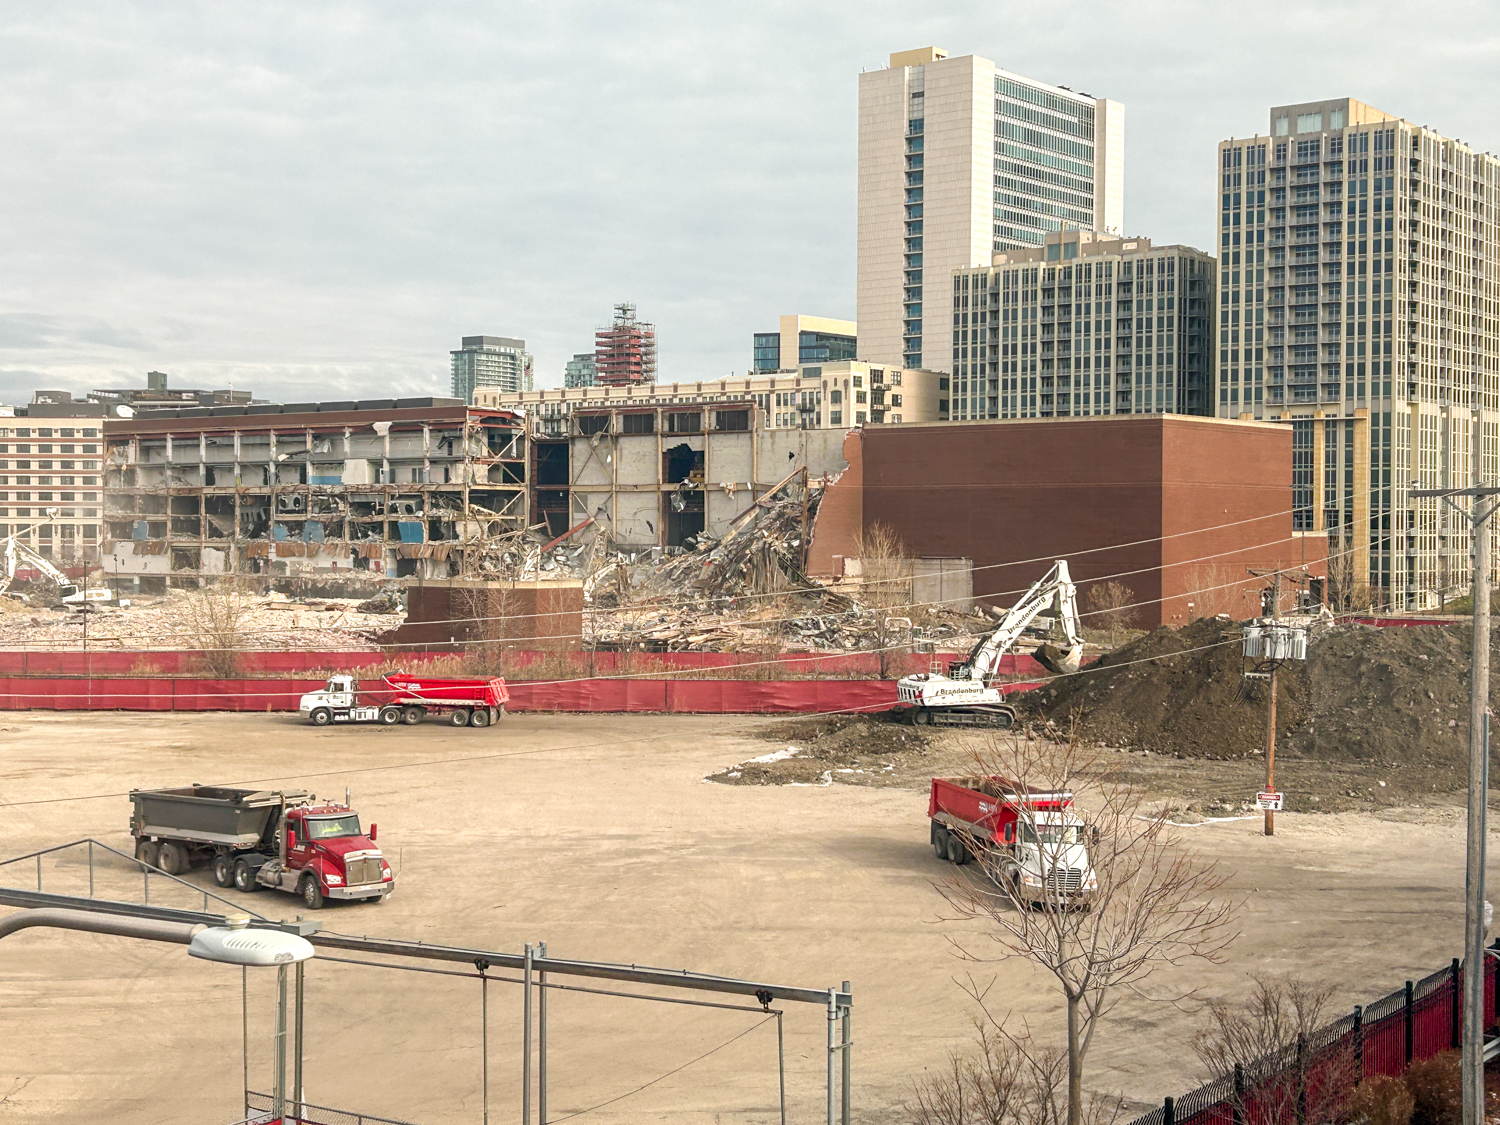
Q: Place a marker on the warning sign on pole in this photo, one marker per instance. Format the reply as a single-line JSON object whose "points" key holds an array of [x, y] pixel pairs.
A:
{"points": [[1271, 802]]}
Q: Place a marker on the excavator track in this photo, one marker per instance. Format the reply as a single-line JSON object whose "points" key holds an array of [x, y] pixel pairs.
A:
{"points": [[1002, 717]]}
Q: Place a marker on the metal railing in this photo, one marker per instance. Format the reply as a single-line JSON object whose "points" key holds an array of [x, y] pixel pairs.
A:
{"points": [[40, 897], [258, 1111]]}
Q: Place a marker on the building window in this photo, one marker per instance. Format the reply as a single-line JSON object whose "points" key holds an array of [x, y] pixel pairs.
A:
{"points": [[859, 417], [835, 417]]}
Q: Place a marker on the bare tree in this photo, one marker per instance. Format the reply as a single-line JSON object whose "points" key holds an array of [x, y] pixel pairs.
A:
{"points": [[1271, 1033], [1148, 903], [1107, 607], [216, 613], [885, 584]]}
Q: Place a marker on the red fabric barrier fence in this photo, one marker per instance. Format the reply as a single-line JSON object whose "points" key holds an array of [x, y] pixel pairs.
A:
{"points": [[601, 695], [147, 663]]}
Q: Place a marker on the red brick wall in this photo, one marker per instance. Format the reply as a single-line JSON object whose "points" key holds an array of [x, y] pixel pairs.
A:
{"points": [[1007, 493], [840, 515]]}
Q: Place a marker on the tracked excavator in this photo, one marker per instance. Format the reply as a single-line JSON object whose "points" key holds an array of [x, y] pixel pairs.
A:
{"points": [[18, 554], [966, 695]]}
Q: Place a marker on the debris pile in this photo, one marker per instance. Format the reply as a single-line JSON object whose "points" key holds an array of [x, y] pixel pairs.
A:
{"points": [[1397, 696], [263, 622]]}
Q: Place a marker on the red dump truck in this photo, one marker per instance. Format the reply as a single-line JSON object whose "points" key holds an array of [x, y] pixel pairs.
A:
{"points": [[1040, 845], [407, 699], [259, 838]]}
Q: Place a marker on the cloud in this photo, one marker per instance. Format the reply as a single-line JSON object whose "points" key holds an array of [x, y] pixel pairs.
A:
{"points": [[310, 199]]}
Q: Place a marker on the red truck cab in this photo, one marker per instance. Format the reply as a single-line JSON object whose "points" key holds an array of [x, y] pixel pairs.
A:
{"points": [[331, 857]]}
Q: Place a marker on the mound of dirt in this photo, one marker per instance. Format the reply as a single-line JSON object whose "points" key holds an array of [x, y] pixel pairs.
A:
{"points": [[1396, 696], [864, 749]]}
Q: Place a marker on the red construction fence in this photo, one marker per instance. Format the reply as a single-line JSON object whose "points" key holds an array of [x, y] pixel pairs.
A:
{"points": [[681, 696], [254, 664], [1310, 1080]]}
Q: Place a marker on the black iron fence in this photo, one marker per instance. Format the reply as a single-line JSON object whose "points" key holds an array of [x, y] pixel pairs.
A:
{"points": [[1307, 1081]]}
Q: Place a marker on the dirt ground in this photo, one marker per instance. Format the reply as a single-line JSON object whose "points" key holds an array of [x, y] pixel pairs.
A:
{"points": [[599, 835]]}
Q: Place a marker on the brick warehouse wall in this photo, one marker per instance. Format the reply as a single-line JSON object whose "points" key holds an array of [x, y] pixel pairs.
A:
{"points": [[1004, 492], [535, 615]]}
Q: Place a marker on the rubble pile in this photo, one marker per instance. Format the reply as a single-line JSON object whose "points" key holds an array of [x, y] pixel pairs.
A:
{"points": [[1397, 696], [263, 622]]}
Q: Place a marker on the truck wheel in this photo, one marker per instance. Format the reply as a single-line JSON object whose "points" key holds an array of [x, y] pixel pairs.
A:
{"points": [[412, 715], [171, 859], [244, 877], [940, 843], [321, 716], [459, 718], [147, 852], [312, 894], [957, 852], [223, 868], [480, 718], [390, 716]]}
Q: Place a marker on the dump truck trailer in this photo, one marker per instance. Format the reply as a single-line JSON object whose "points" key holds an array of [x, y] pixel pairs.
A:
{"points": [[253, 838], [404, 698]]}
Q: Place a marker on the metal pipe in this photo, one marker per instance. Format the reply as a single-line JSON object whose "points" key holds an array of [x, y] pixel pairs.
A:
{"points": [[297, 1047], [781, 1065], [833, 1023], [541, 1045], [91, 869], [278, 1091], [151, 929], [245, 1031], [526, 1041], [847, 1048], [484, 1043], [667, 978]]}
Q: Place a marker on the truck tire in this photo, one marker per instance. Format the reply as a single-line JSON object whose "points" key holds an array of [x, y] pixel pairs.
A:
{"points": [[172, 859], [321, 716], [244, 877], [940, 842], [390, 716], [957, 853], [312, 894], [459, 717], [480, 718], [411, 715], [223, 868], [147, 852]]}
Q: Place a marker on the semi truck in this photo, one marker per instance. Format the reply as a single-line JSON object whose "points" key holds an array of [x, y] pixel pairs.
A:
{"points": [[1034, 842], [283, 839], [406, 699]]}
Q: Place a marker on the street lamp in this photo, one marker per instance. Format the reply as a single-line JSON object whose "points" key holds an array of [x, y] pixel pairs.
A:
{"points": [[234, 943]]}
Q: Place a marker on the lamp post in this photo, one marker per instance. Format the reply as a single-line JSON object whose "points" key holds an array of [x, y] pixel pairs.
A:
{"points": [[240, 945], [234, 943], [1479, 759]]}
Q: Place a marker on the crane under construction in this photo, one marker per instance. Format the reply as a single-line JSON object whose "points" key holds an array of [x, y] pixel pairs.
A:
{"points": [[625, 352]]}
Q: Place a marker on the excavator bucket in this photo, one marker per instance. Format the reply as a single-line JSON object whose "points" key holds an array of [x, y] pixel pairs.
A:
{"points": [[1060, 661]]}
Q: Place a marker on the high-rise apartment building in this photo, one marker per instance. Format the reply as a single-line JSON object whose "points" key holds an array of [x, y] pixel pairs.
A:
{"points": [[805, 339], [625, 352], [51, 469], [579, 371], [1084, 324], [959, 159], [1357, 303], [490, 361]]}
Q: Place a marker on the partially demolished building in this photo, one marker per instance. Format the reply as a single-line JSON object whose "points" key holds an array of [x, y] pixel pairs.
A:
{"points": [[392, 488]]}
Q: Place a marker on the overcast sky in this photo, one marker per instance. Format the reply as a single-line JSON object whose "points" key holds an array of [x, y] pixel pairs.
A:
{"points": [[317, 200]]}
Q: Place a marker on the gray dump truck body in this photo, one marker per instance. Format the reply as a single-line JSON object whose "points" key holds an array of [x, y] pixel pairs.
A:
{"points": [[207, 814]]}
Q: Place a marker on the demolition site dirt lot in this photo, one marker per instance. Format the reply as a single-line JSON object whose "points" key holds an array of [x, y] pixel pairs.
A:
{"points": [[602, 836]]}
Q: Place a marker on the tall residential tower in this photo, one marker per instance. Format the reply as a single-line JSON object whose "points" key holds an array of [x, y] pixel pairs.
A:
{"points": [[490, 361], [1358, 258], [959, 159]]}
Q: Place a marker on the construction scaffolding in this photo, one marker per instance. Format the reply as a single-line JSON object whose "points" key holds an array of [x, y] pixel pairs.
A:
{"points": [[625, 352]]}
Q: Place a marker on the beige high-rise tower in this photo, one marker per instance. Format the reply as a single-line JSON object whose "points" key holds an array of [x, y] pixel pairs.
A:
{"points": [[959, 159], [1359, 272]]}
